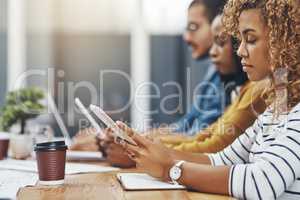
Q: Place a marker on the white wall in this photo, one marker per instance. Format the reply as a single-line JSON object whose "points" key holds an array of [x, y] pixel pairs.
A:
{"points": [[165, 16], [41, 16], [107, 16], [79, 16], [95, 15]]}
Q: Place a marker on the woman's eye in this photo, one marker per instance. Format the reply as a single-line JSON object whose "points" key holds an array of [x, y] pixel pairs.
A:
{"points": [[220, 41], [250, 39]]}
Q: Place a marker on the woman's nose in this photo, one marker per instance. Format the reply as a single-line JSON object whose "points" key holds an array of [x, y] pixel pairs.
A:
{"points": [[242, 50], [213, 51]]}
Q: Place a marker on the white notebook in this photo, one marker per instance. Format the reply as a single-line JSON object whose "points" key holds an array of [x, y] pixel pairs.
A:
{"points": [[141, 181], [85, 155]]}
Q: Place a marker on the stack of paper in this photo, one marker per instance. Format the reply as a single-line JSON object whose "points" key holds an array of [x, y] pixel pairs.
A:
{"points": [[71, 168], [140, 181], [11, 181]]}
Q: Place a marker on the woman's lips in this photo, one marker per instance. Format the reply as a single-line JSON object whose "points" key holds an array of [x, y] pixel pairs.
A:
{"points": [[246, 67], [216, 63]]}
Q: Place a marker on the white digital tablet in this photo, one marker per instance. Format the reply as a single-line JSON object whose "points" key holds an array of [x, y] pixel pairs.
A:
{"points": [[86, 113], [119, 135]]}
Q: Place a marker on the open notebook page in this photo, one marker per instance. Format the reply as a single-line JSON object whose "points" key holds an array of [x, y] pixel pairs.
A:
{"points": [[141, 181]]}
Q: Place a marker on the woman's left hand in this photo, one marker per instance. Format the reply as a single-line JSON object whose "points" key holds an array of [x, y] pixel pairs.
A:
{"points": [[151, 157]]}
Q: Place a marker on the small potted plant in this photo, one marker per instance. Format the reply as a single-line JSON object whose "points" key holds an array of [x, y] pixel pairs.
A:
{"points": [[20, 106]]}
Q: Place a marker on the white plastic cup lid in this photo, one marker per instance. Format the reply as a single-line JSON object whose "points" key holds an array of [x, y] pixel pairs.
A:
{"points": [[4, 136]]}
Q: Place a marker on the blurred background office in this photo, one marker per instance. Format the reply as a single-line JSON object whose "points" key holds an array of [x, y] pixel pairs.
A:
{"points": [[72, 41]]}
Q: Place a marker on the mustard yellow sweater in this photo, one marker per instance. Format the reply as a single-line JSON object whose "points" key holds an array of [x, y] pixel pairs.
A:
{"points": [[236, 119]]}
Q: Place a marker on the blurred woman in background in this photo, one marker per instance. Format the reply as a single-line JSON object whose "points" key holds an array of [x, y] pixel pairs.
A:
{"points": [[246, 105]]}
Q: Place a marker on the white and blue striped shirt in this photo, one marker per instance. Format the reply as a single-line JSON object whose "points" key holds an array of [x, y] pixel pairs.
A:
{"points": [[265, 160]]}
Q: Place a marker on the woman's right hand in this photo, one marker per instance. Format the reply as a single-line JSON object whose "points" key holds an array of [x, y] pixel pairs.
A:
{"points": [[115, 153], [150, 157]]}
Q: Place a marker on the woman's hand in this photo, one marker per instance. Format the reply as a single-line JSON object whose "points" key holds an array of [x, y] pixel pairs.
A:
{"points": [[150, 157], [85, 140], [116, 154]]}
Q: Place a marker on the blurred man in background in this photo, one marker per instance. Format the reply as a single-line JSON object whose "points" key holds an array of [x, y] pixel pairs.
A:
{"points": [[209, 104]]}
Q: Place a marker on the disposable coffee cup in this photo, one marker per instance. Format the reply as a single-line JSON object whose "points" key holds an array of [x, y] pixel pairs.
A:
{"points": [[4, 141], [51, 161]]}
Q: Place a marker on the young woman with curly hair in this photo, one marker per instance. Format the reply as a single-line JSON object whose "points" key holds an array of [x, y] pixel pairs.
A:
{"points": [[264, 162]]}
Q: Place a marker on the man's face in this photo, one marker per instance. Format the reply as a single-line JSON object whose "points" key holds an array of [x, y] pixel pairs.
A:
{"points": [[198, 33]]}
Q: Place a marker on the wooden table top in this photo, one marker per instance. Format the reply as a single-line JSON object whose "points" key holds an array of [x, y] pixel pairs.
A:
{"points": [[105, 186]]}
